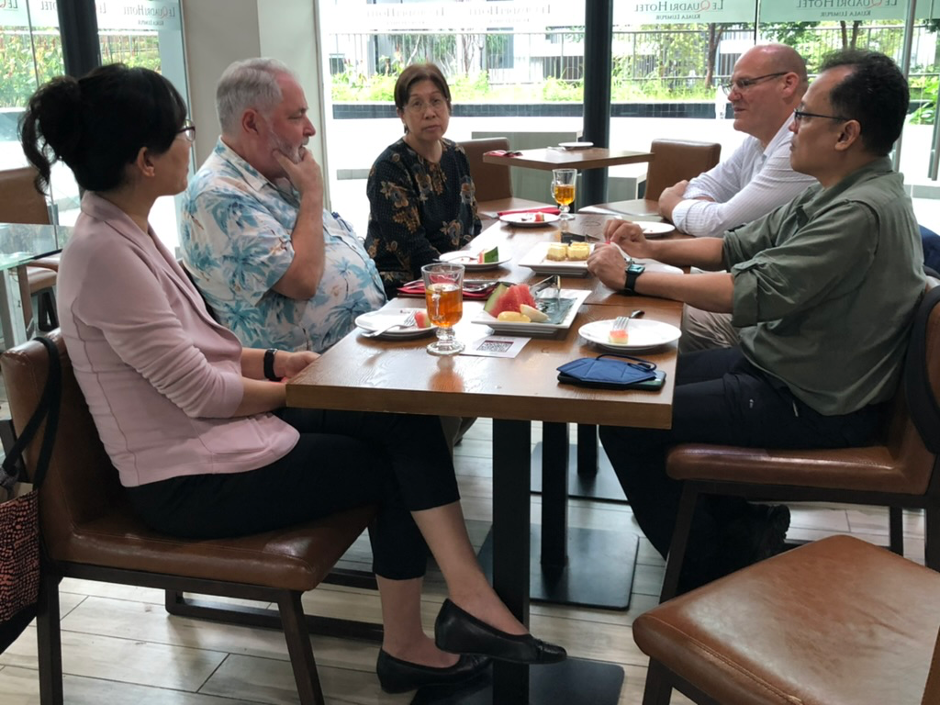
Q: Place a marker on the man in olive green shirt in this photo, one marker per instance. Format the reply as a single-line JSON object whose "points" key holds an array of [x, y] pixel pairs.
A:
{"points": [[822, 291]]}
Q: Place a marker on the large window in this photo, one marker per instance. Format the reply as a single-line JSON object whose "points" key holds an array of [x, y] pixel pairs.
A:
{"points": [[528, 75], [135, 32]]}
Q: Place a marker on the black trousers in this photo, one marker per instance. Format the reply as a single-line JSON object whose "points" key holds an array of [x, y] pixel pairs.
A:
{"points": [[342, 460], [719, 398]]}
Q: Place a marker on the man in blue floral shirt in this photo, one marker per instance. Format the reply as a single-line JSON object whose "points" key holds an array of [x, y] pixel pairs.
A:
{"points": [[276, 268]]}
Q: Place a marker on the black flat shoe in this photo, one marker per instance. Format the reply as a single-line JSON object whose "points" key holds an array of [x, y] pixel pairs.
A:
{"points": [[458, 631], [397, 675]]}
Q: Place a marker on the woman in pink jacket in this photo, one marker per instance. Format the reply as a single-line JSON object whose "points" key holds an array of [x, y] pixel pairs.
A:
{"points": [[201, 439]]}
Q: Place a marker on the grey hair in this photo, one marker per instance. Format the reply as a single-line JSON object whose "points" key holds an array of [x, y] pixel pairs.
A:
{"points": [[251, 83]]}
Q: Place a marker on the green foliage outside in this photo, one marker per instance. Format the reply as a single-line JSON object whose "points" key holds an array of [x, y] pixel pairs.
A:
{"points": [[16, 65], [650, 64], [925, 88], [19, 73]]}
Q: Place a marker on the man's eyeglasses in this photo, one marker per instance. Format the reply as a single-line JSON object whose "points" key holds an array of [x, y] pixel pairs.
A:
{"points": [[188, 131], [417, 107], [743, 84], [801, 116]]}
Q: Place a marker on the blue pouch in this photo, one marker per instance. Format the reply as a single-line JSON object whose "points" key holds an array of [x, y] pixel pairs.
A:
{"points": [[610, 373]]}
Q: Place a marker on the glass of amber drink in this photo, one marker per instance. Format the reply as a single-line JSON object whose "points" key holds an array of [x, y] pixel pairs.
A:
{"points": [[563, 190], [444, 299]]}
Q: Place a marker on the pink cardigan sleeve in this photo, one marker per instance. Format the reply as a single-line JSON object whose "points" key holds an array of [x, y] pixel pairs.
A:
{"points": [[129, 303]]}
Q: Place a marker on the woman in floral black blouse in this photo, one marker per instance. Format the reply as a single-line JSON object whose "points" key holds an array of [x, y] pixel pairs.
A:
{"points": [[421, 194]]}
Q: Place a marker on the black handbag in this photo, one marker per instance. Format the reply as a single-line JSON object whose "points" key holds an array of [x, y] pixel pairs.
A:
{"points": [[609, 371], [20, 550]]}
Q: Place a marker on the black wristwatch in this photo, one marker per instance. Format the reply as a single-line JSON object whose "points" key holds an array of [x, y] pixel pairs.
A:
{"points": [[269, 365], [633, 271]]}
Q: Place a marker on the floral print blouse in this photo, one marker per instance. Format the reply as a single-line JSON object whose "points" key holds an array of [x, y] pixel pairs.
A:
{"points": [[418, 210], [236, 243]]}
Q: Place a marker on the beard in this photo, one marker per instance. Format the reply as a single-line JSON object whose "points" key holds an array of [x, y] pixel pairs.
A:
{"points": [[292, 152]]}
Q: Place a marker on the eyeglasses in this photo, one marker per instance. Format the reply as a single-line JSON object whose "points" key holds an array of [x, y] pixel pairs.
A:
{"points": [[801, 116], [743, 84], [188, 131], [418, 106]]}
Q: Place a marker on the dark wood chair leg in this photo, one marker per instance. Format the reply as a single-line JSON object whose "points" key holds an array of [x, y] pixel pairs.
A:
{"points": [[299, 649], [657, 688], [684, 521], [49, 641], [896, 542], [931, 536]]}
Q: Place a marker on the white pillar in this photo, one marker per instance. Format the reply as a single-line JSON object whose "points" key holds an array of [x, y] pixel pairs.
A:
{"points": [[218, 32]]}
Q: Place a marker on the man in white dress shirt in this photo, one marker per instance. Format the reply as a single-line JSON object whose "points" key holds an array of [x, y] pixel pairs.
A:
{"points": [[766, 86]]}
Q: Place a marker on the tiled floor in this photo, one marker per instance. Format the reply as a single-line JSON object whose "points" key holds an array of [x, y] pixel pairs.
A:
{"points": [[120, 646]]}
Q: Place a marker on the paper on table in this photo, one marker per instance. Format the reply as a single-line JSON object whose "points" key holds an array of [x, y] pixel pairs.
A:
{"points": [[496, 347]]}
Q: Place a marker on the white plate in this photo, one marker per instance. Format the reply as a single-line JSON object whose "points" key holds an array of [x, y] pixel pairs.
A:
{"points": [[528, 220], [576, 145], [653, 229], [375, 320], [535, 329], [536, 260], [469, 261], [642, 334]]}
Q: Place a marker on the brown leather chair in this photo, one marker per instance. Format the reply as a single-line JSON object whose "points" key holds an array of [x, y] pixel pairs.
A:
{"points": [[19, 200], [493, 189], [89, 531], [901, 471], [837, 621], [673, 161], [50, 262]]}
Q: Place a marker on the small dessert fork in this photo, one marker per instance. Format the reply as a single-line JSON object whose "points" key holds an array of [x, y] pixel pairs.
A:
{"points": [[621, 322]]}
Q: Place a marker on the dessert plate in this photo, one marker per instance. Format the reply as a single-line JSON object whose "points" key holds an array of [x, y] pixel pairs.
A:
{"points": [[576, 145], [642, 334], [459, 257], [528, 220], [375, 320]]}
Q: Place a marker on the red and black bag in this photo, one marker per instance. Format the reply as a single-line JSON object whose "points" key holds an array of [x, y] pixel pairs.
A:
{"points": [[20, 548]]}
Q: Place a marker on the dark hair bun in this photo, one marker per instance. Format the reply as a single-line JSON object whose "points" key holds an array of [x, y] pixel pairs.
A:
{"points": [[51, 126]]}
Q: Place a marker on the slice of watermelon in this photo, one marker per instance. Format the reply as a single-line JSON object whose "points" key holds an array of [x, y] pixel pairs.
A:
{"points": [[511, 300], [494, 297]]}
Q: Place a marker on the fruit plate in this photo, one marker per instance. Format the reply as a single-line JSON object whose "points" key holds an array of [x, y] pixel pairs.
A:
{"points": [[375, 320], [577, 298], [528, 220], [460, 257], [536, 260], [642, 334]]}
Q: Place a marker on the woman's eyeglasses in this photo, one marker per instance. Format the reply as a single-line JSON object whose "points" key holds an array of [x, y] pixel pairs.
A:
{"points": [[743, 84], [188, 131], [417, 107]]}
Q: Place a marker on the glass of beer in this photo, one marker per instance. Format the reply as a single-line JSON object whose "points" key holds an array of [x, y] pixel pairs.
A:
{"points": [[563, 190], [444, 298]]}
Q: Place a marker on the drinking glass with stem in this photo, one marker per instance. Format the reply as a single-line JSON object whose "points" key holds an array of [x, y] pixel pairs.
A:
{"points": [[563, 190], [444, 299]]}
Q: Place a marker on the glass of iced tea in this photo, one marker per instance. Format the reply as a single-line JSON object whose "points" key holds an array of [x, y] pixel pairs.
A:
{"points": [[563, 190], [444, 299]]}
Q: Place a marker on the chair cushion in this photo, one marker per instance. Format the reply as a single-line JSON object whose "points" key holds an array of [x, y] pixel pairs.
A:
{"points": [[295, 558], [871, 468], [836, 621]]}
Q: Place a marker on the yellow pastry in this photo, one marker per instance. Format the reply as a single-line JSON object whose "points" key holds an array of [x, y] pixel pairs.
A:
{"points": [[579, 251], [557, 251]]}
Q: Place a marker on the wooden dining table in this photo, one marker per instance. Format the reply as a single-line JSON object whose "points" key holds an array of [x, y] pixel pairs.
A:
{"points": [[398, 375]]}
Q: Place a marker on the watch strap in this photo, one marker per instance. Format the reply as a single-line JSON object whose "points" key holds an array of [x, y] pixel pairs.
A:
{"points": [[632, 272], [269, 365]]}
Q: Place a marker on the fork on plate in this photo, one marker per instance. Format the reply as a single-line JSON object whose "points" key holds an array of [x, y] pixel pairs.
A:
{"points": [[407, 323], [621, 322]]}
